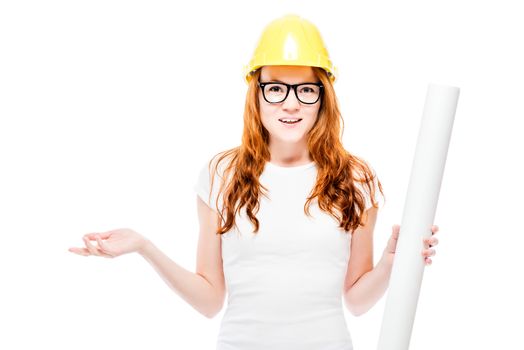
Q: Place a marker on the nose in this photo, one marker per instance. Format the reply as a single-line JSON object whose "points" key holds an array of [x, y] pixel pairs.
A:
{"points": [[291, 102]]}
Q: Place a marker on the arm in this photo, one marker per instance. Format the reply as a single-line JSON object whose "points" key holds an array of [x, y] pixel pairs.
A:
{"points": [[365, 285], [369, 288], [190, 286], [204, 290]]}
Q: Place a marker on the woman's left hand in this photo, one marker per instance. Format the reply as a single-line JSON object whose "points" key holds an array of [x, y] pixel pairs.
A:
{"points": [[429, 243]]}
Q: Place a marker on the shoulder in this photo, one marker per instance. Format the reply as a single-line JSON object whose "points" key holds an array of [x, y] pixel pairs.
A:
{"points": [[222, 163], [217, 167]]}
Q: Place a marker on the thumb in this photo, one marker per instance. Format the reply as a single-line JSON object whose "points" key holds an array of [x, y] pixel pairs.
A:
{"points": [[396, 229], [392, 242]]}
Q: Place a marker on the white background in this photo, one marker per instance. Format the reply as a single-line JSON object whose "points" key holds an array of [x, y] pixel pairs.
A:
{"points": [[109, 109]]}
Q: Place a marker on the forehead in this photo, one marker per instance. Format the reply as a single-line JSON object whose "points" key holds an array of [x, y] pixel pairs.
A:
{"points": [[288, 74]]}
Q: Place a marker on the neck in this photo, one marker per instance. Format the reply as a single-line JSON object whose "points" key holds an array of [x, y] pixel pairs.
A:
{"points": [[289, 154]]}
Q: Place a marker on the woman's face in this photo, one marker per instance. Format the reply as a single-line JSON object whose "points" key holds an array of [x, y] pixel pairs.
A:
{"points": [[291, 108]]}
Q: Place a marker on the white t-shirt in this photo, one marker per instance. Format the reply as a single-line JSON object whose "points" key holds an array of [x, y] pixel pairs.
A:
{"points": [[284, 283]]}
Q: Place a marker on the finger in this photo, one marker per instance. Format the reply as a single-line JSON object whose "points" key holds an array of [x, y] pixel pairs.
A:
{"points": [[394, 236], [103, 235], [105, 255], [80, 251], [434, 229], [428, 252], [102, 247], [430, 242], [99, 252], [395, 231], [92, 249], [428, 261]]}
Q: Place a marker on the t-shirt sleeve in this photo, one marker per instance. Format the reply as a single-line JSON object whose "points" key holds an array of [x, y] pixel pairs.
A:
{"points": [[203, 189]]}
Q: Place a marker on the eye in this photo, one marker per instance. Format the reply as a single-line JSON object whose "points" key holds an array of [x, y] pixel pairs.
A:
{"points": [[308, 89], [275, 88]]}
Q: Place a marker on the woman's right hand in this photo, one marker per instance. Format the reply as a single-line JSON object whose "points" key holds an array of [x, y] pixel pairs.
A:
{"points": [[111, 244]]}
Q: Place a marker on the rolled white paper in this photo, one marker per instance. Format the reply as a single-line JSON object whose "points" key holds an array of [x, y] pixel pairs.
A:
{"points": [[418, 215]]}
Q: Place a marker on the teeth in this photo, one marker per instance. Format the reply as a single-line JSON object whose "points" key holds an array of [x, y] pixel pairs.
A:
{"points": [[290, 120]]}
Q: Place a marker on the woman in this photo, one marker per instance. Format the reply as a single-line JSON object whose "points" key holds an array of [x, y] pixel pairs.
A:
{"points": [[286, 218]]}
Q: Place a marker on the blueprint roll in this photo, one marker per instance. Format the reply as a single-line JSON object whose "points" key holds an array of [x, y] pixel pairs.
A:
{"points": [[418, 215]]}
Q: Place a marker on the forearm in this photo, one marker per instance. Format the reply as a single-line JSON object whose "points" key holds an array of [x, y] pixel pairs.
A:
{"points": [[368, 289], [190, 286]]}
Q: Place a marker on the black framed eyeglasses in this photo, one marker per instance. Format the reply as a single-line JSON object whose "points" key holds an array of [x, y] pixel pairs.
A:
{"points": [[307, 93]]}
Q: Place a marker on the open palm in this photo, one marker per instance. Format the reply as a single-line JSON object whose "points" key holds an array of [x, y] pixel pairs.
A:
{"points": [[111, 244]]}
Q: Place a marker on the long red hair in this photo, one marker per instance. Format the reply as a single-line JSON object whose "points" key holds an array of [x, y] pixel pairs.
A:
{"points": [[338, 170]]}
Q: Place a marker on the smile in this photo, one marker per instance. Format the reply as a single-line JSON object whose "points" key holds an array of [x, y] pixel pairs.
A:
{"points": [[290, 120]]}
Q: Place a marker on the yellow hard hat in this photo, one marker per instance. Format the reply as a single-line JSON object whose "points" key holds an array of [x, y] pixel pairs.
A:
{"points": [[290, 41]]}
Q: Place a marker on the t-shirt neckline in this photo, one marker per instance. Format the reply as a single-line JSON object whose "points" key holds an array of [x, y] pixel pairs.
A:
{"points": [[290, 168]]}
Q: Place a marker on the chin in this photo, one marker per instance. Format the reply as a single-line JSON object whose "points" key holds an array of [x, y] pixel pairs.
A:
{"points": [[289, 138]]}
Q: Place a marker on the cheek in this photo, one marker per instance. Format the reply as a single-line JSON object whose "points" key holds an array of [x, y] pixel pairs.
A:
{"points": [[267, 112], [313, 114], [265, 117]]}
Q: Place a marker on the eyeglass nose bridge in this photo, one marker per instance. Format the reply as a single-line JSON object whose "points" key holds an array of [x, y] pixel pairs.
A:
{"points": [[288, 89]]}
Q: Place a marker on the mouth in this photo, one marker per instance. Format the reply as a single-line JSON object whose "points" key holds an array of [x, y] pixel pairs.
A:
{"points": [[290, 120]]}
